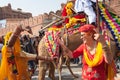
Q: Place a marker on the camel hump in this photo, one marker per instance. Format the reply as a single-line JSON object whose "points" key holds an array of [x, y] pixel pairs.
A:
{"points": [[114, 6]]}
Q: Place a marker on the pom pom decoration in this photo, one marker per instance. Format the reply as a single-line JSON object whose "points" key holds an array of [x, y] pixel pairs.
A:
{"points": [[68, 7], [111, 24]]}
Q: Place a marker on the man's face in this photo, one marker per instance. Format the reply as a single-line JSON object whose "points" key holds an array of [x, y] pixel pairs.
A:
{"points": [[85, 36]]}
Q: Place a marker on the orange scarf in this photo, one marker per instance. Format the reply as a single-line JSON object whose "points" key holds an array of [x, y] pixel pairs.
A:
{"points": [[6, 68], [97, 58]]}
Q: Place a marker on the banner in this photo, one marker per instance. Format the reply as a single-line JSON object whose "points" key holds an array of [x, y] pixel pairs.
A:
{"points": [[2, 23]]}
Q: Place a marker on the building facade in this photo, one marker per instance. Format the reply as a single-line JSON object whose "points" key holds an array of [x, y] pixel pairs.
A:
{"points": [[8, 12], [15, 18]]}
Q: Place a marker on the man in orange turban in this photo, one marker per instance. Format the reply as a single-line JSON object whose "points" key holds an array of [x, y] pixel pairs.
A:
{"points": [[96, 55]]}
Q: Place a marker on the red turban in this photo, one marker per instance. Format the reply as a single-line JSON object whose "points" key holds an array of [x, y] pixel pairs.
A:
{"points": [[87, 28]]}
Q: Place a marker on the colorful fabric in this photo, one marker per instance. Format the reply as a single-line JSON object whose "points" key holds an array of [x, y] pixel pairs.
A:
{"points": [[94, 70], [64, 14], [97, 57], [111, 24], [52, 42], [6, 68], [90, 72], [51, 38]]}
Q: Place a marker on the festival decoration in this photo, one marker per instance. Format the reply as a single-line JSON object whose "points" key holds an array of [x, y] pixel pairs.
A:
{"points": [[71, 28], [111, 24], [68, 7], [52, 42], [73, 21]]}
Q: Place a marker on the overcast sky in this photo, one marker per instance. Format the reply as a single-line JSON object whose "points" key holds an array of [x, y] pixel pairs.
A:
{"points": [[36, 7]]}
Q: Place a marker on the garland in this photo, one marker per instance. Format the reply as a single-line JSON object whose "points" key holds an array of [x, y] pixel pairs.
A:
{"points": [[72, 20], [111, 24], [98, 57], [68, 8]]}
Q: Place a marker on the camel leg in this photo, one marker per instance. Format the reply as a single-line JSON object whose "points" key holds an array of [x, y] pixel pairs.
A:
{"points": [[51, 71], [68, 66], [42, 71], [60, 67]]}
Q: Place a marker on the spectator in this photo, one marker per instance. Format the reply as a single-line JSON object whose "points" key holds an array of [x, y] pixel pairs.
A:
{"points": [[28, 47], [14, 63]]}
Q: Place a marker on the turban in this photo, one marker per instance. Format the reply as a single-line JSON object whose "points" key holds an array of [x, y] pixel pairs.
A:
{"points": [[87, 28]]}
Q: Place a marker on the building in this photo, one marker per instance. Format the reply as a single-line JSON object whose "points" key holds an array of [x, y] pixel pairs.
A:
{"points": [[13, 18], [8, 12]]}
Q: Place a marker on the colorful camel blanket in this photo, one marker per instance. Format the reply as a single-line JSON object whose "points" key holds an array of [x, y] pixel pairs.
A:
{"points": [[52, 42], [51, 38]]}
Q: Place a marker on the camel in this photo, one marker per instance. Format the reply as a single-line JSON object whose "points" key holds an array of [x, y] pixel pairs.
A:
{"points": [[42, 50], [73, 42]]}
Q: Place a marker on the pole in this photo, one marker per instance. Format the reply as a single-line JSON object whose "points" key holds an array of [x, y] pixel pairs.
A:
{"points": [[98, 18], [50, 24]]}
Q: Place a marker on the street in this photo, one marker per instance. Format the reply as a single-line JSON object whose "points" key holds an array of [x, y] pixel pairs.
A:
{"points": [[66, 74]]}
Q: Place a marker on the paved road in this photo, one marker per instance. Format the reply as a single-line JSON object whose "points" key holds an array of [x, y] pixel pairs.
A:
{"points": [[66, 74]]}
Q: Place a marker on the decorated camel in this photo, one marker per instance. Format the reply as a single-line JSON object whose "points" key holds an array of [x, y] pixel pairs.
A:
{"points": [[109, 30], [73, 42]]}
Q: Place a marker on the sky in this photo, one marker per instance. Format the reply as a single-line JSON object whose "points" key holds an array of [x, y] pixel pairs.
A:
{"points": [[36, 7]]}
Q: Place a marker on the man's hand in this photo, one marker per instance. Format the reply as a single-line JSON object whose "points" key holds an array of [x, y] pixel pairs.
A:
{"points": [[100, 38]]}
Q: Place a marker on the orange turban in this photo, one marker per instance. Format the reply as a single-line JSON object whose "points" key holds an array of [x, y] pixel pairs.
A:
{"points": [[87, 28]]}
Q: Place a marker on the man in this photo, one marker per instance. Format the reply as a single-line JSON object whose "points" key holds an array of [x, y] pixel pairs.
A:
{"points": [[97, 57], [86, 7], [28, 47]]}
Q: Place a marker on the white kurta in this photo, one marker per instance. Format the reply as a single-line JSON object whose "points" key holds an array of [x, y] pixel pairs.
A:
{"points": [[86, 6]]}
